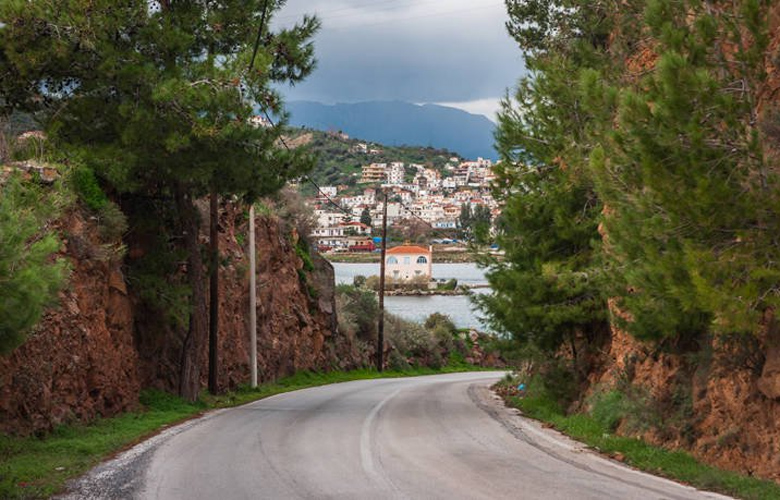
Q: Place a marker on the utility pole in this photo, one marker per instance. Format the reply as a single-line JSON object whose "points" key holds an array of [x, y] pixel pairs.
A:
{"points": [[214, 292], [252, 297], [380, 341]]}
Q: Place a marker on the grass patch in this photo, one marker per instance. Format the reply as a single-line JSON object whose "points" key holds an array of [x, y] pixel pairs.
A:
{"points": [[38, 467], [596, 432]]}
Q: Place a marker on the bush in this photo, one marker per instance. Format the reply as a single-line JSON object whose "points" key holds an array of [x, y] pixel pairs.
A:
{"points": [[448, 285], [87, 188], [357, 310], [29, 277], [608, 409], [439, 320], [112, 222]]}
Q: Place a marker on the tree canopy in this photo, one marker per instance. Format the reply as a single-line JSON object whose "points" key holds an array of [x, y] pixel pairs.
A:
{"points": [[156, 98], [638, 168]]}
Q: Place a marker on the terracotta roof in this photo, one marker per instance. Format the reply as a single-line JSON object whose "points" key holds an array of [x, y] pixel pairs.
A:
{"points": [[408, 249]]}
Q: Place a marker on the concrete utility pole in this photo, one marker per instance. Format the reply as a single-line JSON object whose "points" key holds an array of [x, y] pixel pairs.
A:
{"points": [[252, 297], [380, 341]]}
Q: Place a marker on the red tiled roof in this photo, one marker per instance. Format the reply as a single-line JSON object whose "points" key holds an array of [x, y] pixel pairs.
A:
{"points": [[408, 249]]}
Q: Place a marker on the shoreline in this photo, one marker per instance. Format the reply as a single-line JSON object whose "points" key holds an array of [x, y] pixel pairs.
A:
{"points": [[461, 290], [439, 257]]}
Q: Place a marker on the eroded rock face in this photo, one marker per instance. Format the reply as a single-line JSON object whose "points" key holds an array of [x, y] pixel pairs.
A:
{"points": [[91, 355], [297, 328], [769, 383], [724, 417], [80, 362]]}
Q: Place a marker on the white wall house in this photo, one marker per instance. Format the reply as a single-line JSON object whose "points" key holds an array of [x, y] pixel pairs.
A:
{"points": [[326, 218], [408, 262]]}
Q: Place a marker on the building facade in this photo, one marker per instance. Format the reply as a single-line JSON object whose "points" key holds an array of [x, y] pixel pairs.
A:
{"points": [[409, 262]]}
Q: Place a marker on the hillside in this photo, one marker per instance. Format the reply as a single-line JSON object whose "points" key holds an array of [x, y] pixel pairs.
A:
{"points": [[401, 123], [339, 161]]}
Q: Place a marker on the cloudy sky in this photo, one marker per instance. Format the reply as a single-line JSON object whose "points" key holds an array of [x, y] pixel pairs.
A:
{"points": [[454, 52]]}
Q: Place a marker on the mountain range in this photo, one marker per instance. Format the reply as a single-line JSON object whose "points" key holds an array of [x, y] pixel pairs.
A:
{"points": [[397, 123]]}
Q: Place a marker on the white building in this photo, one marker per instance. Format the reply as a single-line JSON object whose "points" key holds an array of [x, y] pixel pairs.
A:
{"points": [[326, 218], [395, 174], [409, 262]]}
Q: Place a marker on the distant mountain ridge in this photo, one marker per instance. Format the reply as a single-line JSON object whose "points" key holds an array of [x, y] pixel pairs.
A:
{"points": [[397, 123]]}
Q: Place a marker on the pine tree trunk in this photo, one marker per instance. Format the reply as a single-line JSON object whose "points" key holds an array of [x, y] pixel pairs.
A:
{"points": [[194, 342], [214, 291]]}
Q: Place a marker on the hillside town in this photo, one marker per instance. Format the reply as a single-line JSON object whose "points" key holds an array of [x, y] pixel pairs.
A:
{"points": [[437, 198]]}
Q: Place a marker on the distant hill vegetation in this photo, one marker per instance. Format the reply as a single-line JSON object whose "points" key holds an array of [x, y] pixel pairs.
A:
{"points": [[396, 123], [339, 159]]}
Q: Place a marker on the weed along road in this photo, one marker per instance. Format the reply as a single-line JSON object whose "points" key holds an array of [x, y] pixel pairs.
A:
{"points": [[435, 437]]}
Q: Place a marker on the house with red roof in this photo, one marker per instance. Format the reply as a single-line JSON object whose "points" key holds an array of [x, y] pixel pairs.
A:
{"points": [[409, 262]]}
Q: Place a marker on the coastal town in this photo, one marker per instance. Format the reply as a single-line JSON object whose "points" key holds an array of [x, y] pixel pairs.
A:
{"points": [[436, 201]]}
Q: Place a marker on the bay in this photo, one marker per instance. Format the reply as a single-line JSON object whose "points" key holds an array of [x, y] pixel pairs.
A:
{"points": [[416, 308]]}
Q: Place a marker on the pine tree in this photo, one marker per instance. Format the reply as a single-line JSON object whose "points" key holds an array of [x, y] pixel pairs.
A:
{"points": [[365, 217], [156, 97], [547, 290], [692, 200]]}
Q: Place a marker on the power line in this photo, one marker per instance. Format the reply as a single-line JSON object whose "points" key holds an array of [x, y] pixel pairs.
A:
{"points": [[342, 209], [306, 177]]}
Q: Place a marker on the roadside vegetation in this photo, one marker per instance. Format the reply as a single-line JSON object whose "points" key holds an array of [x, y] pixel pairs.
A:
{"points": [[38, 467], [596, 428], [640, 194], [435, 343]]}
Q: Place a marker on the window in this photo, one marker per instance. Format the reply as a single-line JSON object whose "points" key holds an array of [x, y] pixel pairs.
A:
{"points": [[417, 272], [407, 260], [392, 260], [422, 260]]}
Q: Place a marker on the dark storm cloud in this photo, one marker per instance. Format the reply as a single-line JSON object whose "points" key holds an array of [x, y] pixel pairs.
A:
{"points": [[418, 51]]}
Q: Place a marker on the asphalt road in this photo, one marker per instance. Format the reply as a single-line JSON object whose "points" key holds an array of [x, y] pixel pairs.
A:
{"points": [[438, 437]]}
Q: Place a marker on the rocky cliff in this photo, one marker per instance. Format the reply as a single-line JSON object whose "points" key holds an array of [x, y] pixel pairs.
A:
{"points": [[80, 361], [92, 354], [707, 399], [719, 398]]}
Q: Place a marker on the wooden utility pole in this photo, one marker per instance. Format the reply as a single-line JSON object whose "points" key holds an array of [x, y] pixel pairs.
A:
{"points": [[380, 341], [252, 297], [214, 291]]}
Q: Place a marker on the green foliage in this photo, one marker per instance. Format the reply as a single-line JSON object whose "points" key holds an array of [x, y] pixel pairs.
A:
{"points": [[302, 251], [357, 310], [661, 149], [475, 224], [29, 276], [112, 222], [87, 188], [691, 195], [338, 164], [548, 288], [538, 403], [608, 409], [449, 285], [156, 100], [365, 217]]}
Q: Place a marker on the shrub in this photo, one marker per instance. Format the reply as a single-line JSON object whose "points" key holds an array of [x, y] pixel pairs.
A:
{"points": [[87, 188], [112, 222], [608, 409], [29, 277]]}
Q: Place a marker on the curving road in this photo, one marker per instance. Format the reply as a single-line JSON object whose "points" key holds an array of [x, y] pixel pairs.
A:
{"points": [[438, 437]]}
